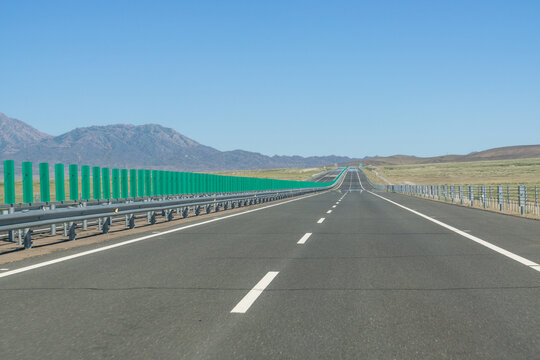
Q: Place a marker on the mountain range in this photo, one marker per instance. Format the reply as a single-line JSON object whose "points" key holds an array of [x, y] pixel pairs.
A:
{"points": [[501, 153], [129, 146]]}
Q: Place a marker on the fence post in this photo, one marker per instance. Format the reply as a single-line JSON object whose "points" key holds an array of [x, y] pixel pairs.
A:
{"points": [[500, 193]]}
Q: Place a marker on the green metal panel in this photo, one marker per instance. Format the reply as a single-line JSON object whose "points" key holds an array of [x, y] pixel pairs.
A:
{"points": [[155, 183], [116, 184], [9, 181], [147, 183], [85, 182], [133, 183], [28, 182], [176, 187], [44, 183], [163, 183], [140, 182], [73, 182], [106, 182], [168, 182], [124, 184], [96, 182], [60, 188]]}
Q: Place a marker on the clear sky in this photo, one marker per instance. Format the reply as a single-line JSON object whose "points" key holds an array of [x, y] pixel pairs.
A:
{"points": [[287, 77]]}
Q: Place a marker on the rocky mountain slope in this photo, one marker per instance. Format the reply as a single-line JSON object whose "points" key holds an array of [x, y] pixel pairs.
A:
{"points": [[130, 146]]}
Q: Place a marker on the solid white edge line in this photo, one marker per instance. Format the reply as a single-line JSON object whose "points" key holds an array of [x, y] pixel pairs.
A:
{"points": [[304, 238], [329, 212], [257, 290], [500, 250], [127, 242], [320, 221]]}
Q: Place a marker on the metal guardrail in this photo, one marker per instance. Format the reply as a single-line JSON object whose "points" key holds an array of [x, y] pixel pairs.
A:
{"points": [[518, 199], [22, 223], [376, 186]]}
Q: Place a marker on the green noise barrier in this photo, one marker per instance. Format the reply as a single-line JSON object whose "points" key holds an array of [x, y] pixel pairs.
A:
{"points": [[121, 184], [59, 182], [44, 183]]}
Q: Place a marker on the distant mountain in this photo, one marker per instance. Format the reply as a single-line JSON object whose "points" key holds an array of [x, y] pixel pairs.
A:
{"points": [[129, 146], [501, 153], [15, 134]]}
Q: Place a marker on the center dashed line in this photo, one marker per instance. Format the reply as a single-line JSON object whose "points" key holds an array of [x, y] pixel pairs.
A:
{"points": [[257, 290], [304, 238], [329, 212], [320, 221]]}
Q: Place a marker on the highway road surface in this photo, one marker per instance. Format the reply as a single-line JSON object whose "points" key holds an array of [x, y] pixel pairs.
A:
{"points": [[346, 274]]}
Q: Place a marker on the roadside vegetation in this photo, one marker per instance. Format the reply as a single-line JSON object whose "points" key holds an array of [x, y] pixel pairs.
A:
{"points": [[503, 172], [297, 174]]}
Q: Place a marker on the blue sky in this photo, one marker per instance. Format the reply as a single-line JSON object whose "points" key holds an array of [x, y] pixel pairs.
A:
{"points": [[281, 77]]}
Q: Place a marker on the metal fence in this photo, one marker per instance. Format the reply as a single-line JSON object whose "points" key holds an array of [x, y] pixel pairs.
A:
{"points": [[519, 199]]}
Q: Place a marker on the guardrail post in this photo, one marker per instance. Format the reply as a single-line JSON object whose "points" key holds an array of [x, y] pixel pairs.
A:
{"points": [[53, 226], [72, 233], [27, 238]]}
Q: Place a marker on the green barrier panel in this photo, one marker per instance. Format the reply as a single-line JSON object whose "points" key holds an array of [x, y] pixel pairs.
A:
{"points": [[73, 182], [133, 183], [106, 183], [140, 182], [196, 183], [155, 183], [124, 183], [9, 181], [60, 188], [116, 184], [96, 182], [28, 182], [163, 183], [182, 188], [148, 183], [85, 182], [44, 183], [167, 175]]}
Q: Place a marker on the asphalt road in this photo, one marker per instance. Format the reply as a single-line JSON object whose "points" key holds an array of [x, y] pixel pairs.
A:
{"points": [[372, 281]]}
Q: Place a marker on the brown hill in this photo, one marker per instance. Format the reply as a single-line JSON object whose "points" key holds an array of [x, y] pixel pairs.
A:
{"points": [[501, 153]]}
